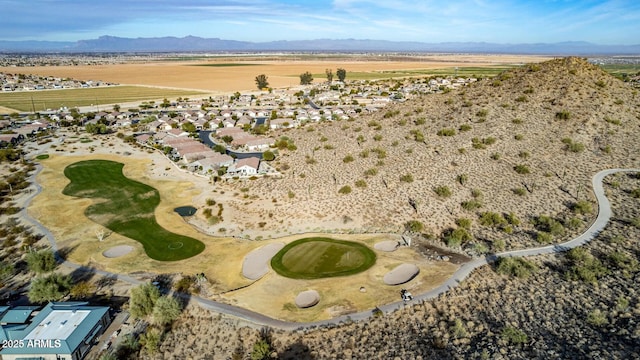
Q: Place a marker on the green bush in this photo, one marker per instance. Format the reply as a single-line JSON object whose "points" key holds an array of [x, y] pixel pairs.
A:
{"points": [[464, 127], [563, 115], [584, 266], [515, 266], [347, 159], [492, 219], [464, 223], [361, 183], [345, 189], [456, 237], [446, 132], [408, 178], [471, 205], [582, 207], [414, 226], [521, 169], [513, 336], [443, 191]]}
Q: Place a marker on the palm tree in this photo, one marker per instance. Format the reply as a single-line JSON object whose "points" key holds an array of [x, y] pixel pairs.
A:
{"points": [[262, 81]]}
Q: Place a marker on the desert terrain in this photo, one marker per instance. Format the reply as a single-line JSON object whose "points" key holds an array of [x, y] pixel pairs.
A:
{"points": [[215, 77], [523, 145]]}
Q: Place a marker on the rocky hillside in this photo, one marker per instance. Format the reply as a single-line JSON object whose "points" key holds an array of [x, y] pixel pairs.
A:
{"points": [[503, 163]]}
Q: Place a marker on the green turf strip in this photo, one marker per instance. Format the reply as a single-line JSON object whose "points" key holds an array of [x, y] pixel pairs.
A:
{"points": [[127, 207], [315, 258]]}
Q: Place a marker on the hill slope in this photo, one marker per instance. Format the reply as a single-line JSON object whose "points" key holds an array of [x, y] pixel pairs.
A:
{"points": [[561, 120]]}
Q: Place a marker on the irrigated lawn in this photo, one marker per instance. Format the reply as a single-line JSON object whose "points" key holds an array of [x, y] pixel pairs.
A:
{"points": [[54, 99], [127, 207], [315, 258]]}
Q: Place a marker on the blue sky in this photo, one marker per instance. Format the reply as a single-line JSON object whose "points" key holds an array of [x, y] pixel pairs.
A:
{"points": [[498, 21]]}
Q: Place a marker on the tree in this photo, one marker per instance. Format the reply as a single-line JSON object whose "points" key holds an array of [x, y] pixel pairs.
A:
{"points": [[261, 350], [306, 78], [341, 74], [189, 127], [165, 103], [262, 81], [268, 155], [166, 310], [227, 139], [50, 288], [42, 261], [143, 299], [116, 107], [96, 128], [329, 73]]}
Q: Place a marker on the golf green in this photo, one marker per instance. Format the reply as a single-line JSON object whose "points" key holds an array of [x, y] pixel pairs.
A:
{"points": [[127, 208], [318, 257]]}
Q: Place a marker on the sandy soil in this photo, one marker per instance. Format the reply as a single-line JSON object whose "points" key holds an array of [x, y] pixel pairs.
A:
{"points": [[117, 251], [226, 79], [223, 257]]}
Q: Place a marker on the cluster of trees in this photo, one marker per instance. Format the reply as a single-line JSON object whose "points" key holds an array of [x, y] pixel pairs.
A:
{"points": [[306, 78]]}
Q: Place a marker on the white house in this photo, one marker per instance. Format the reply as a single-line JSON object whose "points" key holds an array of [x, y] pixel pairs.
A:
{"points": [[245, 167]]}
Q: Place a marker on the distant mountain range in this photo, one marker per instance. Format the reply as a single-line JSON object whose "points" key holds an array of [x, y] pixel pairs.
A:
{"points": [[198, 44]]}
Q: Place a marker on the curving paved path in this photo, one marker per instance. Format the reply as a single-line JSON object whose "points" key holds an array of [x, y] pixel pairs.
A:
{"points": [[604, 214]]}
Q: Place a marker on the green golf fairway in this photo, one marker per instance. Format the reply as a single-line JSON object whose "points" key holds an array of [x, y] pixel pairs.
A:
{"points": [[127, 207], [315, 258]]}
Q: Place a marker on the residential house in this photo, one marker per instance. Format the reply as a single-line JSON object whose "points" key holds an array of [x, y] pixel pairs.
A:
{"points": [[260, 144], [62, 330], [245, 167]]}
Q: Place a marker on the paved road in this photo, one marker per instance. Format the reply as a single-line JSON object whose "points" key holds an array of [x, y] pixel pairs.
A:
{"points": [[604, 214]]}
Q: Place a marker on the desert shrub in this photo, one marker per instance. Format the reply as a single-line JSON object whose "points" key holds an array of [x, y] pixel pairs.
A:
{"points": [[521, 169], [600, 83], [548, 224], [495, 156], [584, 266], [563, 115], [377, 137], [361, 183], [417, 135], [462, 179], [464, 127], [515, 266], [512, 219], [420, 121], [492, 219], [582, 207], [522, 98], [573, 223], [513, 336], [482, 113], [408, 178], [456, 237], [597, 317], [345, 190], [446, 132], [517, 121], [519, 191], [635, 193], [544, 237], [572, 146], [347, 159], [464, 223], [476, 193], [524, 154], [612, 121], [382, 153], [443, 191], [41, 261], [414, 226], [471, 205], [371, 172], [518, 137]]}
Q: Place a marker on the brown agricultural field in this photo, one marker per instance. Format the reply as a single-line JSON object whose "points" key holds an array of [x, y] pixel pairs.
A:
{"points": [[220, 76]]}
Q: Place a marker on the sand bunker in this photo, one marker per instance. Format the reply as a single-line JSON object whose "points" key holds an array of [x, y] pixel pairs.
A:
{"points": [[307, 299], [388, 246], [256, 263], [117, 251], [401, 274]]}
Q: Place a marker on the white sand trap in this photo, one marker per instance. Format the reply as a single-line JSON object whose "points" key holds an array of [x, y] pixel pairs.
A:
{"points": [[307, 299], [117, 251], [256, 263], [388, 245], [401, 274]]}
